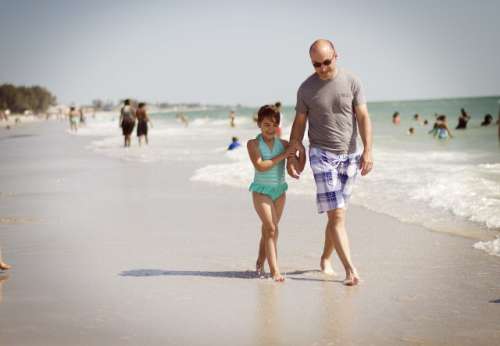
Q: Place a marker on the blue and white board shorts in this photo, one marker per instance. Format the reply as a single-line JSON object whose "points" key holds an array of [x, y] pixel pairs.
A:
{"points": [[334, 175]]}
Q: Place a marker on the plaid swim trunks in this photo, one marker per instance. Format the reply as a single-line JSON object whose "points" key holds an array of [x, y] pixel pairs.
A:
{"points": [[334, 175]]}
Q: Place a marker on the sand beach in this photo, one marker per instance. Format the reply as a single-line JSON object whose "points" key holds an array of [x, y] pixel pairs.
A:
{"points": [[116, 252]]}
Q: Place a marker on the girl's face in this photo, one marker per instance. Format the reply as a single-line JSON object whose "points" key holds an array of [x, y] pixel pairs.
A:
{"points": [[268, 128]]}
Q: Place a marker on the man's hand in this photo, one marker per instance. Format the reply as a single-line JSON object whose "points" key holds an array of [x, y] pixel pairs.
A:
{"points": [[366, 163], [291, 167]]}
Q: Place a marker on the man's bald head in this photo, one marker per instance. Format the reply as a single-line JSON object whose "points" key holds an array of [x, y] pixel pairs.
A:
{"points": [[322, 46]]}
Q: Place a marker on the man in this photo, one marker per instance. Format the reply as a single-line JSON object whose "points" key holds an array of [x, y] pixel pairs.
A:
{"points": [[333, 102]]}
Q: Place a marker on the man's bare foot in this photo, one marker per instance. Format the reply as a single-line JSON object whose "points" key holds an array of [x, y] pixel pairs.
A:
{"points": [[352, 278], [278, 278], [4, 266], [326, 267]]}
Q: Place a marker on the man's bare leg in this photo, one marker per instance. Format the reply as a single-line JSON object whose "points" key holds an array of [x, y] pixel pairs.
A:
{"points": [[336, 224], [326, 257]]}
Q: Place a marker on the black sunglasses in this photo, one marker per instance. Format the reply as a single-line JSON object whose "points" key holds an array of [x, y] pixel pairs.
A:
{"points": [[327, 62]]}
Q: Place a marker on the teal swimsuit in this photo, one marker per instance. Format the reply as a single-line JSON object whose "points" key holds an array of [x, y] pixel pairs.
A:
{"points": [[271, 182]]}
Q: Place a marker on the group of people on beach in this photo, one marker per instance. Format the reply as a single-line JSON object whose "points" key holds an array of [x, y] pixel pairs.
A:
{"points": [[440, 129], [332, 101], [127, 121]]}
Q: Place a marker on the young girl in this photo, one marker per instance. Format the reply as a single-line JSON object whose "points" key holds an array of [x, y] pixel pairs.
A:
{"points": [[268, 155]]}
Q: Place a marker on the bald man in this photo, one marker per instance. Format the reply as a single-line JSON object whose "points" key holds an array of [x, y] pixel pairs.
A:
{"points": [[332, 101]]}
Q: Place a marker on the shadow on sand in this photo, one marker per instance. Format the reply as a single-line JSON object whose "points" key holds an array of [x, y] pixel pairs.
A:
{"points": [[248, 274], [495, 301]]}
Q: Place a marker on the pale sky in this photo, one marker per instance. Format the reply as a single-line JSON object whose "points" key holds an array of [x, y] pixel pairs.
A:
{"points": [[249, 52]]}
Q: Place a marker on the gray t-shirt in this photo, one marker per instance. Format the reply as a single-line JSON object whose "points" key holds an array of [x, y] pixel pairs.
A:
{"points": [[329, 105]]}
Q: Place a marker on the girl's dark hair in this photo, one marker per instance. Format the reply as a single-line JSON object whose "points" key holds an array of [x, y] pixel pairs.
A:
{"points": [[127, 102], [395, 114], [268, 111], [277, 104], [142, 104]]}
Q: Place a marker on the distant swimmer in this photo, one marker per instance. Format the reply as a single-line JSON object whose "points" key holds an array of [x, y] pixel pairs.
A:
{"points": [[232, 118], [74, 118], [142, 123], [396, 119], [127, 122], [488, 119], [278, 129], [441, 130], [235, 143], [463, 119], [183, 119], [411, 131]]}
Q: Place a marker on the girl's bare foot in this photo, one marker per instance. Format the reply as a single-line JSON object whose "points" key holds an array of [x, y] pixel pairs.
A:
{"points": [[4, 266], [352, 278], [326, 267], [259, 268]]}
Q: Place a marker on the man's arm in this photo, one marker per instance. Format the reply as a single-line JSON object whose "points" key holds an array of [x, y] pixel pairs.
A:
{"points": [[365, 131], [297, 134]]}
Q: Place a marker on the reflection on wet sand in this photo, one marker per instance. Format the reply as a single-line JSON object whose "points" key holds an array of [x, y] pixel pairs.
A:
{"points": [[337, 316], [266, 317]]}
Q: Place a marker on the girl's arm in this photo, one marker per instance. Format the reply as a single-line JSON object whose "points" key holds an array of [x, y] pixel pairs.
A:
{"points": [[259, 164]]}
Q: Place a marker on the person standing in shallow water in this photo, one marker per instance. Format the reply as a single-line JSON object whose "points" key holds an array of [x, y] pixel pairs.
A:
{"points": [[332, 101], [74, 117], [463, 119], [142, 123], [127, 122]]}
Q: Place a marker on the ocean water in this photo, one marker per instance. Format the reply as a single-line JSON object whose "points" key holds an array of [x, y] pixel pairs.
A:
{"points": [[448, 186]]}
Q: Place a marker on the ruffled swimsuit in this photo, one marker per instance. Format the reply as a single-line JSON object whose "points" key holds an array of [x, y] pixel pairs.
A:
{"points": [[271, 182]]}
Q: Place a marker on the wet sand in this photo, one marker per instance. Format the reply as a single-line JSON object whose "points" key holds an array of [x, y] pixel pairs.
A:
{"points": [[134, 253]]}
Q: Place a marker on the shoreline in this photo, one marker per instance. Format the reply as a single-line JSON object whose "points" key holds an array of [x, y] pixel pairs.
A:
{"points": [[132, 253]]}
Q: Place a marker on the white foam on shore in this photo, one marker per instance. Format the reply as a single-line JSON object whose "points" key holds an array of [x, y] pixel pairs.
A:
{"points": [[442, 188], [491, 247]]}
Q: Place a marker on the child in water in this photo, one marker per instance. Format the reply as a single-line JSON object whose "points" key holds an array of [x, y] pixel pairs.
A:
{"points": [[268, 155], [441, 130]]}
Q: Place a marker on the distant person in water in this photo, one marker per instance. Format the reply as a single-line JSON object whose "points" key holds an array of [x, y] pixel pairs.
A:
{"points": [[82, 116], [278, 129], [127, 122], [142, 123], [417, 118], [232, 118], [3, 265], [183, 119], [235, 143], [396, 119], [268, 155], [441, 130], [488, 119], [463, 119], [74, 117], [411, 131]]}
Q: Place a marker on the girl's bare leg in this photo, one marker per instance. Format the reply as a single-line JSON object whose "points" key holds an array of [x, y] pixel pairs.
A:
{"points": [[265, 209], [279, 205]]}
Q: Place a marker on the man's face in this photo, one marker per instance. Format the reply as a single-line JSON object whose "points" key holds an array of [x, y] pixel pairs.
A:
{"points": [[323, 61]]}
